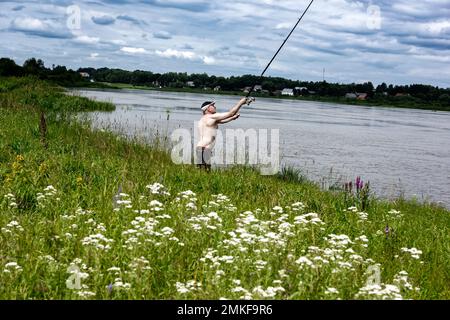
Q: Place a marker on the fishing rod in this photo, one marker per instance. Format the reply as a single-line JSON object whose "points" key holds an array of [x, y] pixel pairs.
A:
{"points": [[279, 49]]}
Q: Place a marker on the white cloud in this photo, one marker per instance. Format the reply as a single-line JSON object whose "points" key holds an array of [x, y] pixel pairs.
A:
{"points": [[133, 50], [209, 60], [171, 53], [231, 37], [438, 27], [118, 42], [284, 25], [29, 24], [188, 55], [47, 28], [87, 39]]}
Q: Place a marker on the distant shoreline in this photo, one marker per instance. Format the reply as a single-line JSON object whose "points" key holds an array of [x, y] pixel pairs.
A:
{"points": [[345, 101]]}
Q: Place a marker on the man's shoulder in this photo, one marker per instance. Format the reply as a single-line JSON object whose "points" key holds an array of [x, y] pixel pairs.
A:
{"points": [[207, 118]]}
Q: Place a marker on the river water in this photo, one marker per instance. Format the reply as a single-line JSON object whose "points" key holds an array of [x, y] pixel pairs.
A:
{"points": [[400, 151]]}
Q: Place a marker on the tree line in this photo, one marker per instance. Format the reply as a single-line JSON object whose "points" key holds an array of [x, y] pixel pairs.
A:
{"points": [[415, 94], [35, 67]]}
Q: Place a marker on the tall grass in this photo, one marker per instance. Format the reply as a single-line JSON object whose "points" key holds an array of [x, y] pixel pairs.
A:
{"points": [[119, 217], [31, 92], [291, 174]]}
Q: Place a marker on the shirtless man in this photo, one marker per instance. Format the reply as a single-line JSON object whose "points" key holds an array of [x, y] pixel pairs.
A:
{"points": [[208, 126]]}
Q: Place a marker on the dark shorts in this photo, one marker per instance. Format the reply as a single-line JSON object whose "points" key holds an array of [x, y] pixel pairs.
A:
{"points": [[203, 156]]}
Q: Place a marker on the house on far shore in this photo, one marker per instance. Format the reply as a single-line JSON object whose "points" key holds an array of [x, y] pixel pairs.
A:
{"points": [[217, 88], [287, 92], [357, 95], [257, 88], [247, 89], [190, 84], [361, 96], [85, 74]]}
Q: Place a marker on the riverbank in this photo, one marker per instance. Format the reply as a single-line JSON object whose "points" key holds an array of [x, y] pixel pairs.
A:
{"points": [[406, 102], [130, 224]]}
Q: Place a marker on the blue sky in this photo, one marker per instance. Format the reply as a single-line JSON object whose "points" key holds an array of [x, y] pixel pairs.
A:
{"points": [[400, 42]]}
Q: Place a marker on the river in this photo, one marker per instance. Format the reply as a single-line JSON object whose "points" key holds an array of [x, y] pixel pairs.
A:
{"points": [[400, 151]]}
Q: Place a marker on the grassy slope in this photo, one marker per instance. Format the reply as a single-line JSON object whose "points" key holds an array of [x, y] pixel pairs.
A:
{"points": [[87, 167]]}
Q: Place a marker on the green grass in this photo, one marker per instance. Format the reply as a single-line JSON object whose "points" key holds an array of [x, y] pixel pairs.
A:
{"points": [[50, 234], [30, 92]]}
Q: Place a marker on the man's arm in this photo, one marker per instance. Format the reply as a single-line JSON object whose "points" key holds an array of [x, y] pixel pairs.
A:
{"points": [[229, 114], [229, 119]]}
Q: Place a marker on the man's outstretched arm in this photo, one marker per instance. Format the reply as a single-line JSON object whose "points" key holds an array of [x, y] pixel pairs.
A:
{"points": [[231, 113], [229, 119]]}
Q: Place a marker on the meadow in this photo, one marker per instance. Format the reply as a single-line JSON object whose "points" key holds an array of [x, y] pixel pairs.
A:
{"points": [[88, 214]]}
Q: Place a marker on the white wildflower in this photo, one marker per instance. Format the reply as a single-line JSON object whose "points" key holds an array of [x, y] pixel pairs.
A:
{"points": [[379, 292], [304, 261], [415, 253], [119, 284], [187, 287], [278, 209], [85, 293], [260, 264], [395, 214], [331, 291], [155, 203], [98, 241], [12, 266], [167, 231], [157, 188], [298, 206]]}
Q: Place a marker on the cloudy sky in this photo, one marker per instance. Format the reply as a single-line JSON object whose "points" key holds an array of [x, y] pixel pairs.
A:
{"points": [[399, 41]]}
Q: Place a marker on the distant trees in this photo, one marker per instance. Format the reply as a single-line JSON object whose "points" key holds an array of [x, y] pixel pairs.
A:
{"points": [[381, 88], [36, 67], [444, 99], [414, 94], [33, 66], [9, 68]]}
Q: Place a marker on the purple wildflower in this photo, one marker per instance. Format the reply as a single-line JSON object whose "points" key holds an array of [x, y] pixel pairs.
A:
{"points": [[359, 184], [387, 230]]}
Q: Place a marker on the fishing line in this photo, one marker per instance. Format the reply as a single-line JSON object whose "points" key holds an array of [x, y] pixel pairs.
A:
{"points": [[279, 49]]}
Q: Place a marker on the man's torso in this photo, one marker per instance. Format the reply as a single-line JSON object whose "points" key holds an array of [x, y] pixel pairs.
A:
{"points": [[207, 128]]}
